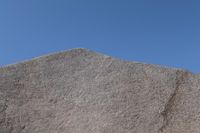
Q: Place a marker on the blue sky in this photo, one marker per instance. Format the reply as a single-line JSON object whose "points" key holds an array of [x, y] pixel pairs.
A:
{"points": [[164, 32]]}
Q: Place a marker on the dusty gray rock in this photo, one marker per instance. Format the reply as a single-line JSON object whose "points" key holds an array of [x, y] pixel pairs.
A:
{"points": [[79, 91]]}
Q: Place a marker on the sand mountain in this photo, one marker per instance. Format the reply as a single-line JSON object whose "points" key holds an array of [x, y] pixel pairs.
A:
{"points": [[80, 91]]}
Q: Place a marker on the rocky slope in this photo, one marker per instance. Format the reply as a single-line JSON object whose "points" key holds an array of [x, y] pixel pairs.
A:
{"points": [[80, 91]]}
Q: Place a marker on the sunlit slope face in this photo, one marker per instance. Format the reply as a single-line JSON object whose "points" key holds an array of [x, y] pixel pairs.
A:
{"points": [[80, 91]]}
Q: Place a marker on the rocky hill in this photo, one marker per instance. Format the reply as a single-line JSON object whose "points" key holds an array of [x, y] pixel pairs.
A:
{"points": [[80, 91]]}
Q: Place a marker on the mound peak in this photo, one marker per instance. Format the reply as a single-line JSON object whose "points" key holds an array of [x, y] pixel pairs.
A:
{"points": [[80, 91]]}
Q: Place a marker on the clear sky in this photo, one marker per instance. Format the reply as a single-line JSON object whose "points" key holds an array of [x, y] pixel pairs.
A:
{"points": [[164, 32]]}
